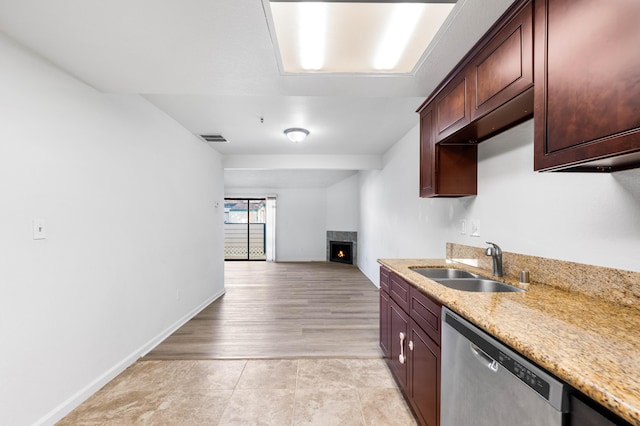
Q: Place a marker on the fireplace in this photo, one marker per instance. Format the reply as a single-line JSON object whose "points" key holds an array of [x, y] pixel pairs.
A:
{"points": [[341, 251], [349, 246]]}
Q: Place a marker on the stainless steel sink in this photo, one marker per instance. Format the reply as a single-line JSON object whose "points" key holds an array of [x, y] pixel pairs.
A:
{"points": [[458, 279], [435, 273], [483, 285]]}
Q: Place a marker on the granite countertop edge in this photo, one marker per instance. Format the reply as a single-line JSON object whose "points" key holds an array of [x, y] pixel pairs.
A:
{"points": [[570, 335]]}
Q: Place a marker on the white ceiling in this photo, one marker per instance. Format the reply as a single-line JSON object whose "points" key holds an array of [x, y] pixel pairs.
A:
{"points": [[211, 65]]}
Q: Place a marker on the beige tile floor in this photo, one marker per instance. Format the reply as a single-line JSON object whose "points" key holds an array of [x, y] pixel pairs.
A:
{"points": [[325, 392]]}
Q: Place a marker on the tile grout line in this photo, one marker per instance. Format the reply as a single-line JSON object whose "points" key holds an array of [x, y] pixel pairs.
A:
{"points": [[295, 393], [364, 420], [233, 391]]}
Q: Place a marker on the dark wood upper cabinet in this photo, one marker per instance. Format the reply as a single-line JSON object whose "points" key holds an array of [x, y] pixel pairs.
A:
{"points": [[587, 94], [490, 90], [445, 171]]}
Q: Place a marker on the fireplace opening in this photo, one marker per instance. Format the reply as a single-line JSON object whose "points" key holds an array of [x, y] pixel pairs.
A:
{"points": [[341, 251]]}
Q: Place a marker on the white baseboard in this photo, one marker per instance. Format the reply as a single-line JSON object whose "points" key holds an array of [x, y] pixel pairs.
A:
{"points": [[83, 394]]}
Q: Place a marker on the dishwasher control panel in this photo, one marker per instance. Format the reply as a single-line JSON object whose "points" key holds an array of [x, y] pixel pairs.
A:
{"points": [[525, 375]]}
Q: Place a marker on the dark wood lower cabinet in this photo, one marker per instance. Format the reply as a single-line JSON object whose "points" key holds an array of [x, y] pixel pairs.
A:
{"points": [[413, 355], [410, 340], [385, 331], [424, 376]]}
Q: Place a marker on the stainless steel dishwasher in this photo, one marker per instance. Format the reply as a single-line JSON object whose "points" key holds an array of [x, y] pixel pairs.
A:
{"points": [[486, 383]]}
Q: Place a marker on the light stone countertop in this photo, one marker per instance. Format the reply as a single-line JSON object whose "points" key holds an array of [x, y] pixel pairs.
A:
{"points": [[590, 343]]}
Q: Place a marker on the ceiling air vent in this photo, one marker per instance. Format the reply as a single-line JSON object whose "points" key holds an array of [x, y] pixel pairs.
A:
{"points": [[214, 138]]}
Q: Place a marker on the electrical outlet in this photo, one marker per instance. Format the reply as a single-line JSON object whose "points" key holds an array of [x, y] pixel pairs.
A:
{"points": [[463, 227], [475, 228]]}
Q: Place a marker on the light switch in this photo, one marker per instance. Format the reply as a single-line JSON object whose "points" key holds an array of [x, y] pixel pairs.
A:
{"points": [[475, 228], [463, 226], [39, 230]]}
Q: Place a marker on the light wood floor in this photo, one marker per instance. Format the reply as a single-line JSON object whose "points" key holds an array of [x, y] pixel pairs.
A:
{"points": [[283, 310]]}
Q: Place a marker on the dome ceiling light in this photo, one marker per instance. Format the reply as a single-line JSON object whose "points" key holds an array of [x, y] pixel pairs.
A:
{"points": [[296, 134]]}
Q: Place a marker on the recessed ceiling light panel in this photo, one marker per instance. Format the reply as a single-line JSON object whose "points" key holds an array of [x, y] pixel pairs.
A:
{"points": [[354, 37]]}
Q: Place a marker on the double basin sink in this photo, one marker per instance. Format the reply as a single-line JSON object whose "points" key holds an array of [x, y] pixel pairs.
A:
{"points": [[466, 281]]}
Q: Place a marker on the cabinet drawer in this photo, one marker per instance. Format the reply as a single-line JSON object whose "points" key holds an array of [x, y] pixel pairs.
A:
{"points": [[384, 279], [399, 291], [426, 313]]}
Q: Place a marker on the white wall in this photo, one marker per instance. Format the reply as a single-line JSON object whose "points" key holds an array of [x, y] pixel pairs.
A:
{"points": [[134, 243], [580, 217], [300, 229], [394, 221], [343, 205]]}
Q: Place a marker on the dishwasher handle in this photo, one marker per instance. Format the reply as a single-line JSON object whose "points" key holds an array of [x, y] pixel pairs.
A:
{"points": [[482, 356]]}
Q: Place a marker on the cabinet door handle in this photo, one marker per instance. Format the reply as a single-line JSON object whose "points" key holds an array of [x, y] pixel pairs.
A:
{"points": [[401, 357], [411, 345]]}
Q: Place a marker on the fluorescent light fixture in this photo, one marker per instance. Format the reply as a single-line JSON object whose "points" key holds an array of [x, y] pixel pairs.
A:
{"points": [[312, 26], [395, 38], [353, 36], [296, 134]]}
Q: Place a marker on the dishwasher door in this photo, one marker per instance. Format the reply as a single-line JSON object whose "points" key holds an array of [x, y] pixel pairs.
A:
{"points": [[486, 383]]}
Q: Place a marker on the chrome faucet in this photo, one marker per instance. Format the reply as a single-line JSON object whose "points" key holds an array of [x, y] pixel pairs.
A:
{"points": [[496, 253]]}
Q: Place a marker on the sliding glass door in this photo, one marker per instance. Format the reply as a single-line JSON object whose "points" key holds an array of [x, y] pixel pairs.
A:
{"points": [[245, 229]]}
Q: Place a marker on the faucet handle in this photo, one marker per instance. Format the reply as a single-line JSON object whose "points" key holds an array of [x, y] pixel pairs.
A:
{"points": [[493, 250]]}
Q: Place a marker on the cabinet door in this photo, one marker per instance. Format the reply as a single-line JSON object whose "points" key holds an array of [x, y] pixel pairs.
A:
{"points": [[587, 85], [424, 376], [385, 331], [452, 107], [504, 67], [427, 155], [399, 344]]}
